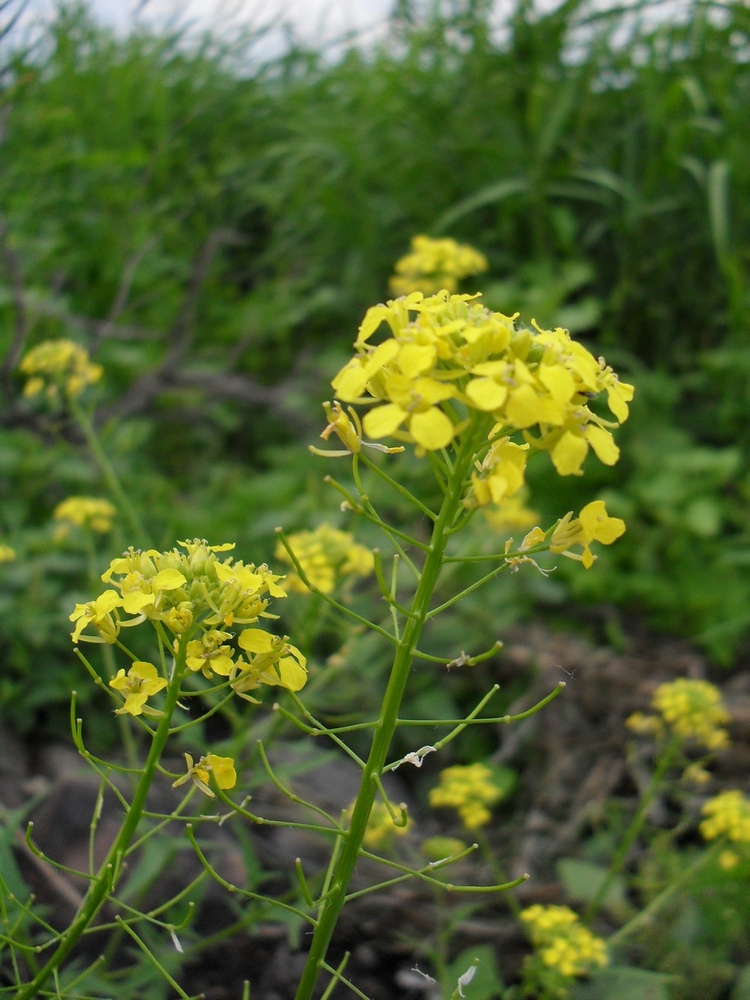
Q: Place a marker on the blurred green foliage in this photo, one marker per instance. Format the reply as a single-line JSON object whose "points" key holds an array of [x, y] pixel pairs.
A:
{"points": [[213, 226]]}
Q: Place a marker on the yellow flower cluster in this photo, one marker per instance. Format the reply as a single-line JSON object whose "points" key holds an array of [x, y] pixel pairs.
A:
{"points": [[381, 828], [727, 814], [7, 554], [448, 356], [471, 790], [56, 365], [690, 709], [193, 593], [435, 264], [326, 555], [85, 512], [562, 943]]}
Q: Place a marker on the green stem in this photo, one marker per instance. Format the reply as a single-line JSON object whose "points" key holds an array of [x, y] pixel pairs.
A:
{"points": [[388, 720], [647, 915], [104, 881], [113, 482], [621, 855]]}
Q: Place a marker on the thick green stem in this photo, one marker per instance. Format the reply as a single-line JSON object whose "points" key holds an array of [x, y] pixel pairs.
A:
{"points": [[103, 884], [387, 722]]}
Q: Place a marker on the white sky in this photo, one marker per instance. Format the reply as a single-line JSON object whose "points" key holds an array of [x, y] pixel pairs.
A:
{"points": [[318, 23], [313, 21]]}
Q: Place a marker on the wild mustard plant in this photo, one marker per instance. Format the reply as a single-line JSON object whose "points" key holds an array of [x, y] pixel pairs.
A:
{"points": [[564, 950], [470, 790], [475, 396], [93, 513], [58, 368], [435, 264], [327, 556], [181, 596]]}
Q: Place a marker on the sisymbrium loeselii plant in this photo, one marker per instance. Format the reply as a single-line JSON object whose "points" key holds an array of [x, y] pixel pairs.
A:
{"points": [[475, 396]]}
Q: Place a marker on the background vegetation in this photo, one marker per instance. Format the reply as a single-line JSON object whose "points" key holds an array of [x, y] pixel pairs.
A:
{"points": [[212, 227]]}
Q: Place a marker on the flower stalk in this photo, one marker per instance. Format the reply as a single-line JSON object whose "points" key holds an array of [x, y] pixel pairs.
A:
{"points": [[388, 719]]}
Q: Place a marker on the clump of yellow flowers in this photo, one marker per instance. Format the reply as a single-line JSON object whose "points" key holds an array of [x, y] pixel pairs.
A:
{"points": [[84, 512], [691, 710], [326, 556], [471, 790], [434, 264], [200, 600], [562, 943], [446, 356], [727, 814], [56, 366]]}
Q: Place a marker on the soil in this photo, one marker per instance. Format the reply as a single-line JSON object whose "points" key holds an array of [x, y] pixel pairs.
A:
{"points": [[574, 759]]}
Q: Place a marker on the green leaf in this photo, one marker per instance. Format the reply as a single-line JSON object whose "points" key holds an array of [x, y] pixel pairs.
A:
{"points": [[582, 881], [486, 982], [624, 983]]}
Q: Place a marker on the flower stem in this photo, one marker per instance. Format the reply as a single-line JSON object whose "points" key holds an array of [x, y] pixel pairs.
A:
{"points": [[387, 721], [113, 482], [665, 761], [102, 885]]}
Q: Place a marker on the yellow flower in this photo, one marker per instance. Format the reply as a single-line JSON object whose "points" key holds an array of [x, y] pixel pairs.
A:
{"points": [[59, 364], [98, 613], [562, 943], [7, 554], [501, 474], [85, 512], [727, 814], [435, 264], [140, 682], [593, 524], [272, 660], [471, 790], [221, 769], [210, 654], [326, 555], [693, 710]]}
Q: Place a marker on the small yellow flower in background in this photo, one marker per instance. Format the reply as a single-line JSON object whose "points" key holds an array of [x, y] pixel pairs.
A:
{"points": [[510, 515], [221, 769], [435, 264], [56, 365], [728, 860], [327, 555], [727, 814], [7, 554], [140, 682], [562, 943], [84, 512], [694, 711], [471, 790], [381, 827]]}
